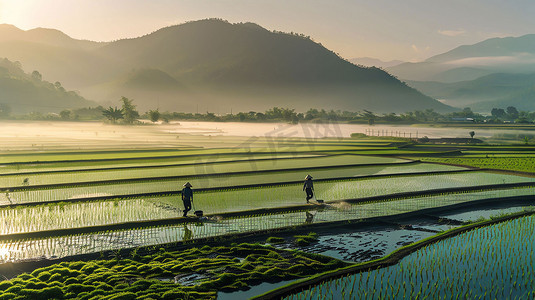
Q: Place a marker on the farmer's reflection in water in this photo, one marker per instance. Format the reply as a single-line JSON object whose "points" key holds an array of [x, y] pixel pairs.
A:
{"points": [[310, 217], [188, 234]]}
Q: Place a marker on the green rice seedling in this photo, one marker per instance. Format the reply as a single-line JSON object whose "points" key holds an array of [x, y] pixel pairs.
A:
{"points": [[72, 190], [199, 168], [469, 265]]}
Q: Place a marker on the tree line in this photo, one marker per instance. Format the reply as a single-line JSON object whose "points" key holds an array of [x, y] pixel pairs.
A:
{"points": [[128, 114]]}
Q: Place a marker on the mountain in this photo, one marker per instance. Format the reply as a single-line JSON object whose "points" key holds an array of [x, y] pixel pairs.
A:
{"points": [[494, 48], [374, 62], [469, 62], [55, 55], [523, 99], [488, 88], [24, 93], [53, 37], [216, 65]]}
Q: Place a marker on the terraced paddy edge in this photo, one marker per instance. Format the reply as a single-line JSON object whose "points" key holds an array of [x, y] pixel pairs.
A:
{"points": [[211, 184], [298, 289], [39, 245]]}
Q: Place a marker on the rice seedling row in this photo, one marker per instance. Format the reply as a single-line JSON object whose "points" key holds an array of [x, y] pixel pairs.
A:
{"points": [[35, 168], [121, 154], [494, 262], [243, 188], [267, 177], [45, 157], [195, 169], [65, 179], [76, 215], [126, 155], [349, 189]]}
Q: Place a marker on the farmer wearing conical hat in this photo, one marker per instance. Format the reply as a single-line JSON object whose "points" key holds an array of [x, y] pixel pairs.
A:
{"points": [[187, 197], [308, 187]]}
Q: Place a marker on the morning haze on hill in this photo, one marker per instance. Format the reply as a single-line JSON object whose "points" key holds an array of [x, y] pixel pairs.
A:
{"points": [[469, 62], [497, 72], [211, 65], [25, 93]]}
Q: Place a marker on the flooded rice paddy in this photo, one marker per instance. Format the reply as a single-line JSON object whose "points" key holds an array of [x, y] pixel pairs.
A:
{"points": [[214, 226]]}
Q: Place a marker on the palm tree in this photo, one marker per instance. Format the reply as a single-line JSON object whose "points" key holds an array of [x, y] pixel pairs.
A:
{"points": [[130, 114], [154, 115], [113, 114]]}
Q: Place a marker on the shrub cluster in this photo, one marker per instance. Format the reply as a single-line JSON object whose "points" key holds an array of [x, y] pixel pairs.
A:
{"points": [[157, 275]]}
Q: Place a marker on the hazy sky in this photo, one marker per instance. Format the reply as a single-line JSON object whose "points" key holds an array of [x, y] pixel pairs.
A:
{"points": [[387, 29]]}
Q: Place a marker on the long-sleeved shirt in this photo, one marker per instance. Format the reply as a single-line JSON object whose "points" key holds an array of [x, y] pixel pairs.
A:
{"points": [[308, 184], [187, 193]]}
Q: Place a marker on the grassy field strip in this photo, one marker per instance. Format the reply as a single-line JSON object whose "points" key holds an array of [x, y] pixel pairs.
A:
{"points": [[8, 170], [173, 185], [83, 214], [62, 246], [196, 169], [494, 261]]}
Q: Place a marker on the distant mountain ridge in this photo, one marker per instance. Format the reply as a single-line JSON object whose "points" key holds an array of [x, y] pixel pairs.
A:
{"points": [[496, 90], [494, 47], [469, 62], [43, 36], [215, 65], [374, 62]]}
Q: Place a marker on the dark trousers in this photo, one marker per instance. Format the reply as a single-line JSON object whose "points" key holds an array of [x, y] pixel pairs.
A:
{"points": [[310, 194], [187, 206]]}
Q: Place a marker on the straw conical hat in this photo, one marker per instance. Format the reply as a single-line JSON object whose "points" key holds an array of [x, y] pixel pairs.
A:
{"points": [[308, 177], [187, 184]]}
